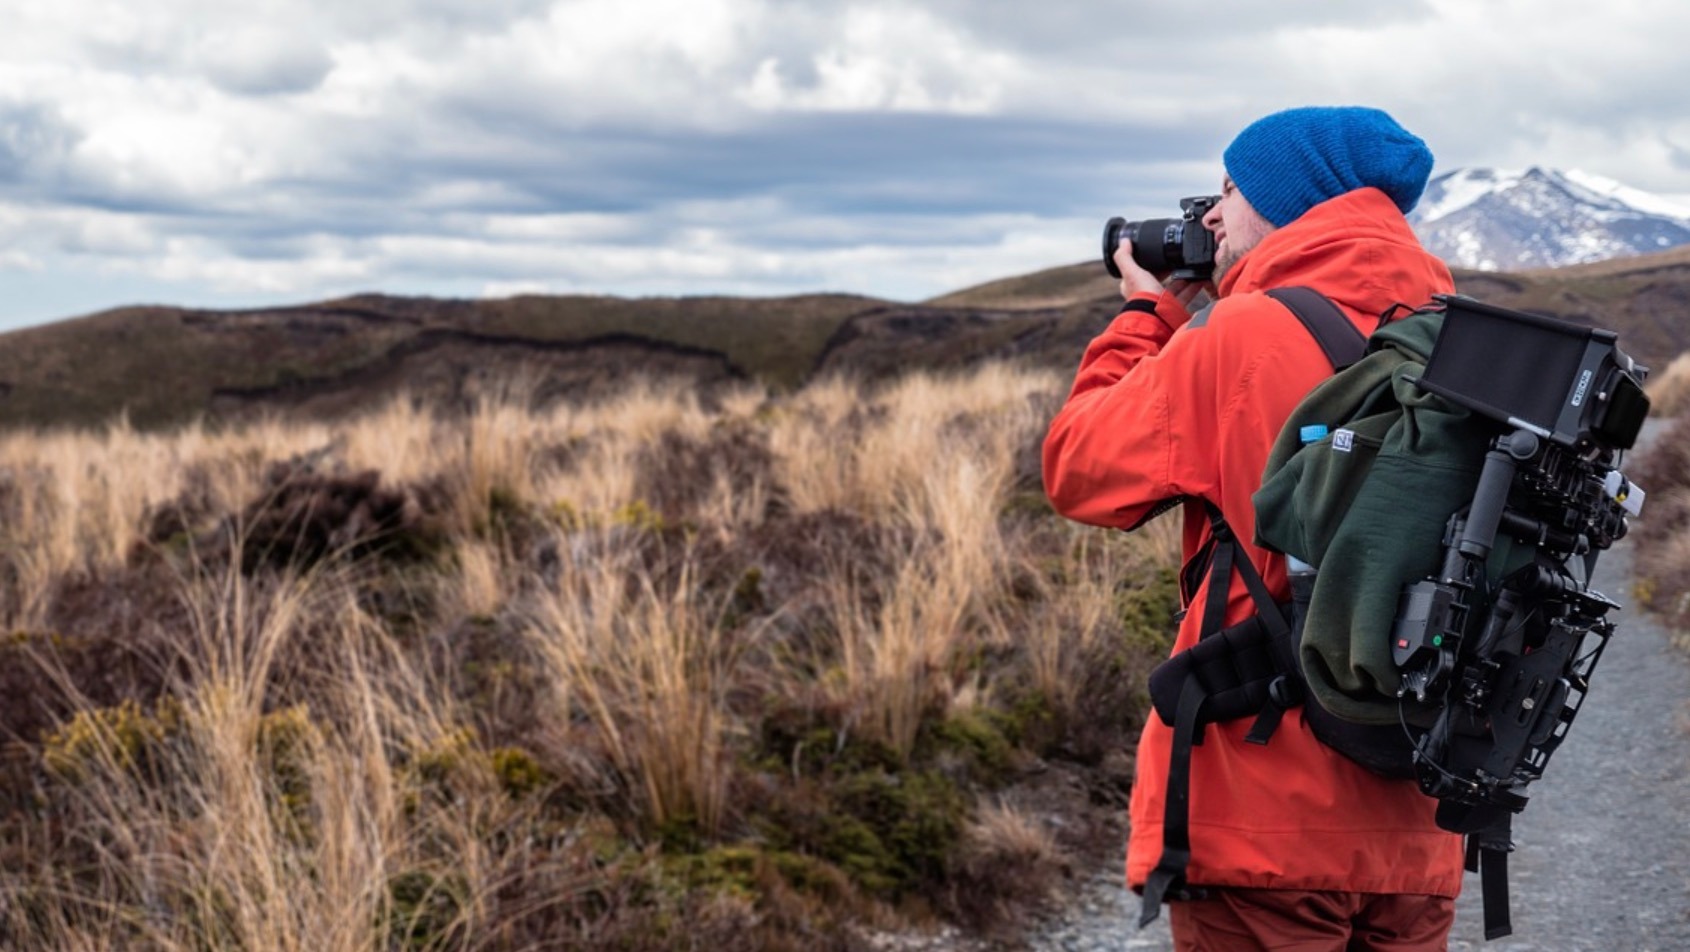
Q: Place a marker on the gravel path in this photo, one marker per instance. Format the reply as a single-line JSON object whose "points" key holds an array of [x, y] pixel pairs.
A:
{"points": [[1602, 859]]}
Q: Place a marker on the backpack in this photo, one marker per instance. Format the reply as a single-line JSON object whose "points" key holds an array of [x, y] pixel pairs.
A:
{"points": [[1444, 639]]}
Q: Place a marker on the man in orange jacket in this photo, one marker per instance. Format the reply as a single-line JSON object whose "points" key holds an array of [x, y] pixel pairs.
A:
{"points": [[1291, 844]]}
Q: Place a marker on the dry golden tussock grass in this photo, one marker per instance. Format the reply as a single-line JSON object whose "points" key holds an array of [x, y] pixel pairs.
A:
{"points": [[1669, 389], [1662, 535], [748, 670], [650, 669]]}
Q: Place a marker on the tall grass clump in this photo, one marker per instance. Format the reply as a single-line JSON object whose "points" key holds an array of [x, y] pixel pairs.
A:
{"points": [[1669, 388], [646, 669], [1662, 533], [661, 669]]}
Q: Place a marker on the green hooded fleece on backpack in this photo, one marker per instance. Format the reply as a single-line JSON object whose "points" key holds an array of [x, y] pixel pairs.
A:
{"points": [[1367, 506]]}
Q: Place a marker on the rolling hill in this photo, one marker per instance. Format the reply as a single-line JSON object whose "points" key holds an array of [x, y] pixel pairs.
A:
{"points": [[163, 366]]}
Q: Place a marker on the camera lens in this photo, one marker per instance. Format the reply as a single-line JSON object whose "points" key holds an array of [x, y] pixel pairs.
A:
{"points": [[1112, 238], [1158, 244]]}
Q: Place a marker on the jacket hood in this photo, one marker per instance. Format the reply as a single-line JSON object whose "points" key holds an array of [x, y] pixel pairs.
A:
{"points": [[1356, 249]]}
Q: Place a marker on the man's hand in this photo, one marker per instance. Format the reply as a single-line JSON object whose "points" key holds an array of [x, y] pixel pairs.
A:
{"points": [[1136, 280]]}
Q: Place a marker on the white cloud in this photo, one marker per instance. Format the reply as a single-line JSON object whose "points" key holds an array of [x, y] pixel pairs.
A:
{"points": [[257, 61], [211, 152], [892, 58], [322, 262], [20, 261]]}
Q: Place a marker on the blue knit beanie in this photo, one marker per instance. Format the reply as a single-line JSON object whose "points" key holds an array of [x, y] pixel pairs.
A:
{"points": [[1291, 161]]}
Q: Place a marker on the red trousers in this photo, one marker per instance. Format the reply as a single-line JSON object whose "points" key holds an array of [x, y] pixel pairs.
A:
{"points": [[1289, 920]]}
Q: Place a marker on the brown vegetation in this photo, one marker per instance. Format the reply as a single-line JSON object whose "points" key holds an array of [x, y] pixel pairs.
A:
{"points": [[1669, 388], [1662, 535], [768, 672], [169, 366]]}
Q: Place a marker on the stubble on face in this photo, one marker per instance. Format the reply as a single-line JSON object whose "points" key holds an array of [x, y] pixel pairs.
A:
{"points": [[1245, 229], [1224, 260]]}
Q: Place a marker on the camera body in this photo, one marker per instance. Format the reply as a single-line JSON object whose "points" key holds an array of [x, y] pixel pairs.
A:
{"points": [[1179, 247]]}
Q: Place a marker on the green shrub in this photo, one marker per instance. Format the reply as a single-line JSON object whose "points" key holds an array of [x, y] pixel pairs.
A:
{"points": [[425, 910], [121, 738]]}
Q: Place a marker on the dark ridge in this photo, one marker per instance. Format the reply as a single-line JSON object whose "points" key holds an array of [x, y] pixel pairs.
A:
{"points": [[163, 366], [450, 367]]}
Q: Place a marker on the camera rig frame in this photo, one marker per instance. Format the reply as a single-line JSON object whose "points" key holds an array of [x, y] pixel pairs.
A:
{"points": [[1507, 681], [1494, 670]]}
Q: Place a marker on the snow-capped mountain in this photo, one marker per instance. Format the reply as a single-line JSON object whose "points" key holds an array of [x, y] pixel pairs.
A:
{"points": [[1491, 219]]}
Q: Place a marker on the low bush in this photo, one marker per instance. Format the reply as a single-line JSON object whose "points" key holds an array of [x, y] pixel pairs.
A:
{"points": [[770, 673]]}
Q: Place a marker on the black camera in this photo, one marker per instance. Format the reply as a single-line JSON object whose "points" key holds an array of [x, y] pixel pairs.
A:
{"points": [[1180, 247]]}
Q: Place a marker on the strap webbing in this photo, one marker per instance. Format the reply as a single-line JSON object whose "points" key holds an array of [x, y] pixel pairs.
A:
{"points": [[1167, 880], [1493, 880], [1487, 854], [1337, 337], [1228, 555], [1343, 346], [1225, 555]]}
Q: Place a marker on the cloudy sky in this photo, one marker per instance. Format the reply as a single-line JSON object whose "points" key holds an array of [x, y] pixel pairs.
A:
{"points": [[217, 154]]}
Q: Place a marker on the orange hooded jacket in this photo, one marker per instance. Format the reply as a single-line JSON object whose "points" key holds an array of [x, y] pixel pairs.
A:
{"points": [[1163, 408]]}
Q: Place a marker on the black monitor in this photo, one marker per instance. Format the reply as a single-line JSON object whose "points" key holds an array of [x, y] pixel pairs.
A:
{"points": [[1563, 381]]}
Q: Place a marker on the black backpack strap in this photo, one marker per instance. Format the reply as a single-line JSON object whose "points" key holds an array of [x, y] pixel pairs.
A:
{"points": [[1230, 555], [1167, 880], [1337, 337], [1220, 556], [1487, 855], [1236, 662]]}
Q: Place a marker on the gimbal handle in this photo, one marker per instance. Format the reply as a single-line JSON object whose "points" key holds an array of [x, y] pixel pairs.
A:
{"points": [[1478, 535]]}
